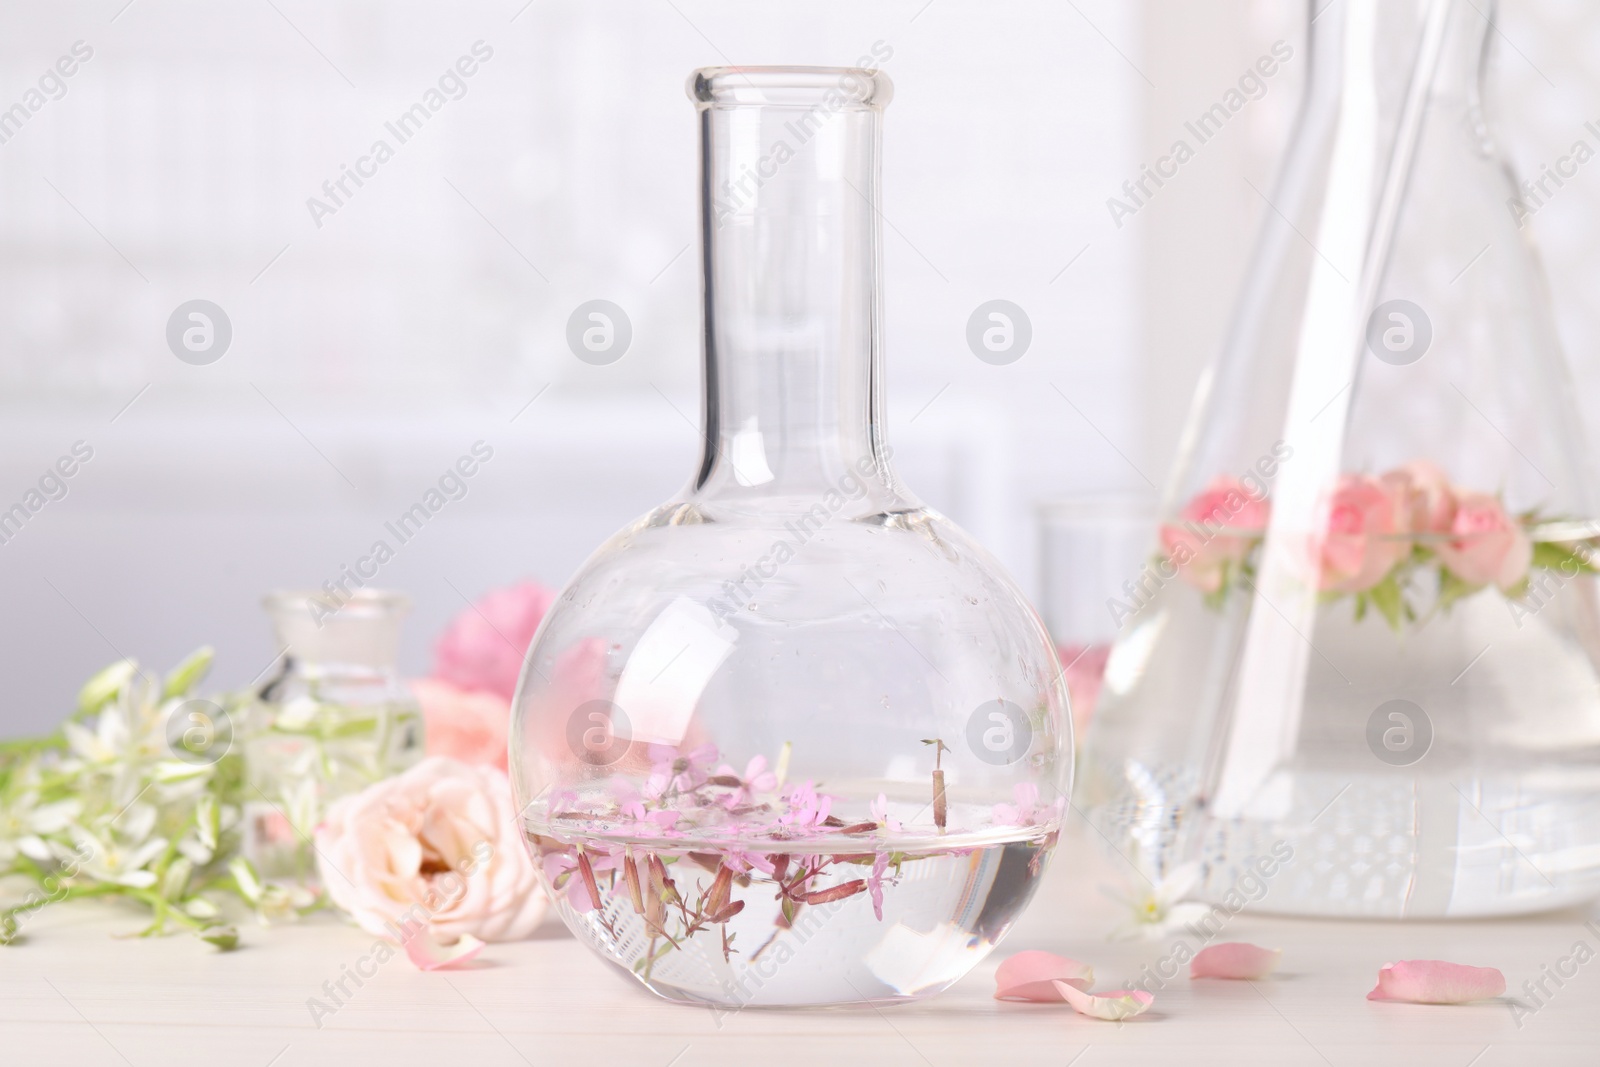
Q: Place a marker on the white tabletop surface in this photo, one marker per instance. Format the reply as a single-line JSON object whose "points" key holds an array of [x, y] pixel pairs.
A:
{"points": [[72, 993]]}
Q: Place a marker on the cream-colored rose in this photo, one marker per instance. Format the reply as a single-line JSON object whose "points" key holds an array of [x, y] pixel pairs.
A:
{"points": [[436, 848]]}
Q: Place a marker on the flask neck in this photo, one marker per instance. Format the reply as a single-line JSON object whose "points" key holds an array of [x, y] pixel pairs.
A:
{"points": [[1374, 49], [790, 244]]}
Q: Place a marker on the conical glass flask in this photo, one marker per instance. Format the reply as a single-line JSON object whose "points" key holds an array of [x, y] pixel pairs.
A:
{"points": [[1364, 656], [791, 738]]}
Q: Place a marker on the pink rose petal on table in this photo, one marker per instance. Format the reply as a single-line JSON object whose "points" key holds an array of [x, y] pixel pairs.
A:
{"points": [[429, 955], [1235, 959], [1113, 1005], [1437, 982], [1032, 975]]}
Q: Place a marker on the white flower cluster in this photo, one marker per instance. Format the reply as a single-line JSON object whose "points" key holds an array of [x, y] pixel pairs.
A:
{"points": [[137, 796]]}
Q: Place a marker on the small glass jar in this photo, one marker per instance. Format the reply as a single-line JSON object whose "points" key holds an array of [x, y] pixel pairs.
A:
{"points": [[335, 719]]}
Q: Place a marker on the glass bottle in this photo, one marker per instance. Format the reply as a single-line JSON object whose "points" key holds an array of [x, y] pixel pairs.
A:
{"points": [[1364, 657], [791, 738], [333, 720]]}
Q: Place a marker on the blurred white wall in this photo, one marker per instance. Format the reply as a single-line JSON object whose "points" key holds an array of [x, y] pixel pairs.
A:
{"points": [[429, 309], [373, 346]]}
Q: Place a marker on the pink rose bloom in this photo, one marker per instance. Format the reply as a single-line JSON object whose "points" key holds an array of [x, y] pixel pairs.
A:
{"points": [[1195, 545], [465, 725], [483, 646], [436, 850], [1366, 534], [1487, 545], [1427, 500], [1085, 667]]}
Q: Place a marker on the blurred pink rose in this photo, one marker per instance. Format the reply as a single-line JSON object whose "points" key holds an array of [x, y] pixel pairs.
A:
{"points": [[435, 850], [1195, 544], [1427, 500], [462, 724], [1366, 534], [1085, 667], [1487, 545], [483, 646]]}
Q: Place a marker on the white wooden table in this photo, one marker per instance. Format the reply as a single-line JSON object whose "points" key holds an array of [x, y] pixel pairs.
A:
{"points": [[71, 994]]}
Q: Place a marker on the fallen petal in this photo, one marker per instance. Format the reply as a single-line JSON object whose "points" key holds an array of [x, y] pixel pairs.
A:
{"points": [[1437, 982], [1029, 976], [429, 955], [1235, 959], [1113, 1005]]}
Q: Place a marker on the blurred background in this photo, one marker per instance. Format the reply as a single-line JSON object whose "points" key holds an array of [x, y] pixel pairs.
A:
{"points": [[378, 337]]}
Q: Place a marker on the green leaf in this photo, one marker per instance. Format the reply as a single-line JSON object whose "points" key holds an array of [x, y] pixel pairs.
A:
{"points": [[245, 877], [1387, 597], [184, 676], [1452, 589], [176, 880], [104, 686], [1569, 559], [225, 938]]}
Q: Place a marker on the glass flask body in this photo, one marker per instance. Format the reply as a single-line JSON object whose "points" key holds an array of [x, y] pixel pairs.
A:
{"points": [[791, 738], [335, 719], [1368, 639]]}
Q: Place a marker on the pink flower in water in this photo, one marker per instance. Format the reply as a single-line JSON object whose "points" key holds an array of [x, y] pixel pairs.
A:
{"points": [[1025, 809], [1214, 532], [807, 809], [756, 779], [466, 725], [574, 876], [483, 647], [432, 852], [880, 864], [1366, 535], [672, 771], [742, 861], [1426, 499], [1487, 545], [879, 810]]}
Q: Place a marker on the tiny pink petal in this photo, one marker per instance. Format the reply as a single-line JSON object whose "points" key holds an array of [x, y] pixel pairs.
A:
{"points": [[1235, 959], [1113, 1005], [1032, 975], [429, 955], [1437, 982]]}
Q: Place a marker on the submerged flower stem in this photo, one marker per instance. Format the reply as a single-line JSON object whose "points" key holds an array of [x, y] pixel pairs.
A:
{"points": [[940, 806], [838, 892], [630, 874]]}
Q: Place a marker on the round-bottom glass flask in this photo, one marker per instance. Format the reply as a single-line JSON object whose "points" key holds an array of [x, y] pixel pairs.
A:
{"points": [[791, 738]]}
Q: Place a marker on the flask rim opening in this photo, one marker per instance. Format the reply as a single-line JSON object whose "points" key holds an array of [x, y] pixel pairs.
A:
{"points": [[834, 88]]}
